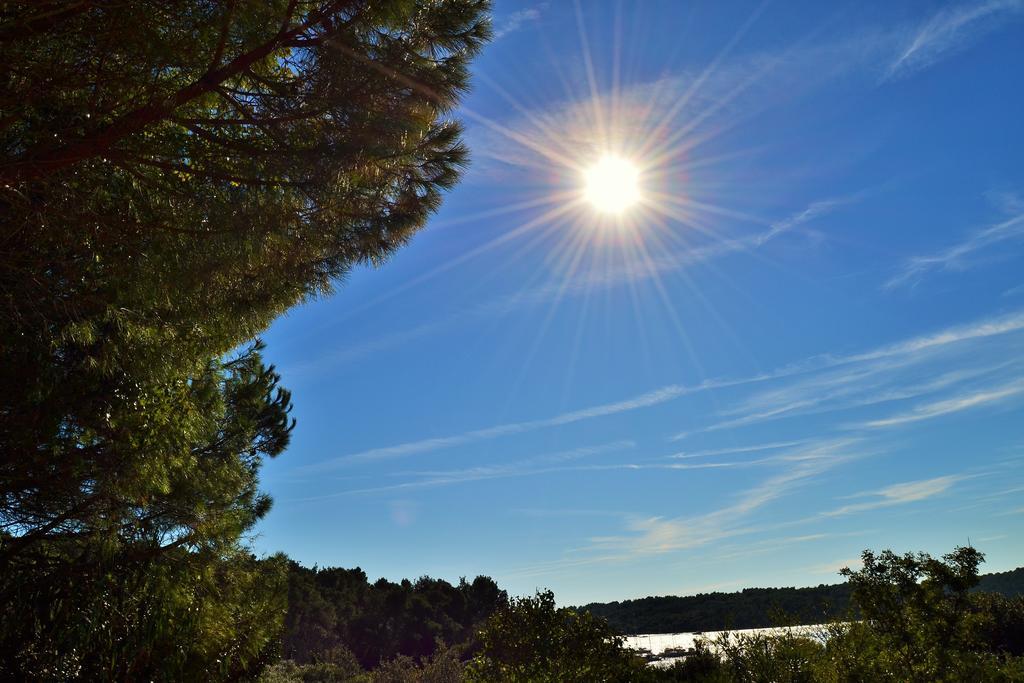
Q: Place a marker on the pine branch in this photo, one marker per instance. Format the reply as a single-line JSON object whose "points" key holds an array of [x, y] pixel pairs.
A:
{"points": [[41, 163]]}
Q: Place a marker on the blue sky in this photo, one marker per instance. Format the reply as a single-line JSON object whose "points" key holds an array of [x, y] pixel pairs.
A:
{"points": [[805, 340]]}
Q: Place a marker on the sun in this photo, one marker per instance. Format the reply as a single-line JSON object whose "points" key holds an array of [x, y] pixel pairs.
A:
{"points": [[612, 185]]}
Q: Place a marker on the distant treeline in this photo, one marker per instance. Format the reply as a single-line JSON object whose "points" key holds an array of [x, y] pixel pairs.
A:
{"points": [[901, 618], [753, 607], [333, 610]]}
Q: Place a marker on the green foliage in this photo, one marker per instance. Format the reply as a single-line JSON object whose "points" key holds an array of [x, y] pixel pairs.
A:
{"points": [[1009, 583], [288, 671], [701, 664], [444, 666], [774, 657], [755, 607], [183, 616], [920, 622], [530, 640], [137, 569], [911, 599], [172, 178], [750, 608], [338, 608]]}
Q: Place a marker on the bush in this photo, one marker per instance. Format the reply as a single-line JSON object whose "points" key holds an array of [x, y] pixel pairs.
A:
{"points": [[532, 641]]}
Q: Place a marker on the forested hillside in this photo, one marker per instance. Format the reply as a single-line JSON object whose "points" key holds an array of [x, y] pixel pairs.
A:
{"points": [[753, 607], [1009, 583], [341, 627], [333, 609]]}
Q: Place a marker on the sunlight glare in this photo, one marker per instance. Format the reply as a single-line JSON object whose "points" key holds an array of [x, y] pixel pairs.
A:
{"points": [[612, 185]]}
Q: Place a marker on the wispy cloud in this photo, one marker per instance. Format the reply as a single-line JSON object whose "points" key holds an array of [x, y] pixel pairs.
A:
{"points": [[908, 351], [750, 548], [986, 539], [991, 327], [586, 282], [543, 465], [650, 267], [698, 102], [721, 90], [555, 464], [888, 374], [648, 399], [871, 384], [561, 513], [959, 256], [834, 567], [948, 31], [656, 535], [652, 398], [515, 21], [707, 453], [950, 405], [899, 494], [540, 464], [473, 474], [814, 211]]}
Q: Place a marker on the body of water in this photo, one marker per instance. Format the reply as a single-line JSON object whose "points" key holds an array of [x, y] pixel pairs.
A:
{"points": [[659, 643]]}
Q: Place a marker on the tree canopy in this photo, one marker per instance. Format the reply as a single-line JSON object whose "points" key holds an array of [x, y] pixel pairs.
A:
{"points": [[173, 176], [916, 619], [334, 608], [755, 607], [530, 640]]}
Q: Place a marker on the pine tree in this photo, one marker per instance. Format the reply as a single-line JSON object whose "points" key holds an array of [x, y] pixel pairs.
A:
{"points": [[173, 176]]}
